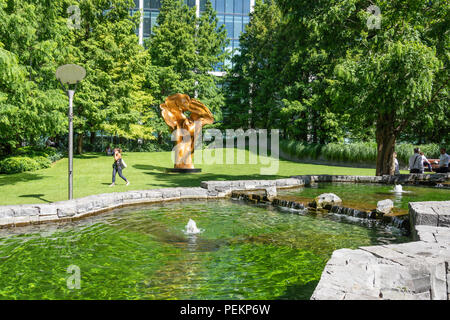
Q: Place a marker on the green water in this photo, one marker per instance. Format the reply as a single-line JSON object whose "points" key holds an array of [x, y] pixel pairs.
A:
{"points": [[366, 196], [244, 252]]}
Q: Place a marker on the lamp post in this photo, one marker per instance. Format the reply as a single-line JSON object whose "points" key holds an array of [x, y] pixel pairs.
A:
{"points": [[70, 74]]}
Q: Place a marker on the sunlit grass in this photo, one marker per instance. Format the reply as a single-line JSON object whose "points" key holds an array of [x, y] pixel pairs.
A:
{"points": [[93, 171]]}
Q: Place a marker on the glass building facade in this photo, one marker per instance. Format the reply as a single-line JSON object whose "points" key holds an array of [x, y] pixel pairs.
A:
{"points": [[234, 14]]}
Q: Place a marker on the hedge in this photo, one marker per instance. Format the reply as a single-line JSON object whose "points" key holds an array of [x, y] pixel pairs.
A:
{"points": [[18, 164], [29, 159]]}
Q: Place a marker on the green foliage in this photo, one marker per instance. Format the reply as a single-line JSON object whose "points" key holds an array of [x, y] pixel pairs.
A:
{"points": [[43, 162], [29, 159], [359, 152], [31, 151], [314, 70], [111, 98], [184, 50], [18, 164], [31, 47]]}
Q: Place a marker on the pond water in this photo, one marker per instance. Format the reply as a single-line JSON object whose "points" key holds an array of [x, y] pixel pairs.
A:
{"points": [[243, 252], [365, 196]]}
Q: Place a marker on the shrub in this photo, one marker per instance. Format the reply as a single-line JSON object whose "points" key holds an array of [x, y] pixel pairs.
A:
{"points": [[43, 162], [57, 156], [18, 164]]}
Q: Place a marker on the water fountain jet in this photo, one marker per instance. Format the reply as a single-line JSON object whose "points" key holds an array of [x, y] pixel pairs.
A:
{"points": [[191, 228]]}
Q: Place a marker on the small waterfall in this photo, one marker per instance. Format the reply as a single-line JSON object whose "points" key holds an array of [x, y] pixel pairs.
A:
{"points": [[191, 228], [400, 223]]}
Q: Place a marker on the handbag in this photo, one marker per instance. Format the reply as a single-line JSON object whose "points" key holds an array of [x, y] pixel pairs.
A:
{"points": [[123, 163]]}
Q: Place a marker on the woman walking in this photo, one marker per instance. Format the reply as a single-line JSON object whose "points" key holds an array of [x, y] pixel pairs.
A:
{"points": [[118, 166]]}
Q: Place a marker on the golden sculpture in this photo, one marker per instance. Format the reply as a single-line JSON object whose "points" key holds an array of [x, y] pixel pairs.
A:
{"points": [[186, 127]]}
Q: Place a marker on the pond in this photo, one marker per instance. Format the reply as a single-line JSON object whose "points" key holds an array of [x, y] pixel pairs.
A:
{"points": [[363, 196], [243, 252]]}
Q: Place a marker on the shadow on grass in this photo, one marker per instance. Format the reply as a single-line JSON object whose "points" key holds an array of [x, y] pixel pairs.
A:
{"points": [[147, 167], [299, 292], [10, 179], [87, 156], [194, 179], [35, 196]]}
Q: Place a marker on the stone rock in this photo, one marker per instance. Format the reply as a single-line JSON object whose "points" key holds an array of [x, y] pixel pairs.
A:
{"points": [[171, 193], [439, 282], [271, 193], [327, 199], [431, 213], [190, 193], [385, 206], [6, 211]]}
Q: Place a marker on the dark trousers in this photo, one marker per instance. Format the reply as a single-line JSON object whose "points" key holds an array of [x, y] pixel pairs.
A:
{"points": [[415, 171], [442, 170], [118, 169], [428, 165]]}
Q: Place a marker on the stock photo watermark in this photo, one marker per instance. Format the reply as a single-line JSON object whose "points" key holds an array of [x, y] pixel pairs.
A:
{"points": [[74, 20], [262, 149], [374, 21], [74, 280]]}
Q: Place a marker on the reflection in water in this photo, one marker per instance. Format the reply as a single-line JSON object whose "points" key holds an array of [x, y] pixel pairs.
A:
{"points": [[365, 196], [242, 252]]}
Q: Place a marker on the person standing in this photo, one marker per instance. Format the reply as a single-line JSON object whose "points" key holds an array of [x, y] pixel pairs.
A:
{"points": [[444, 159], [426, 162], [397, 167], [118, 167], [415, 162]]}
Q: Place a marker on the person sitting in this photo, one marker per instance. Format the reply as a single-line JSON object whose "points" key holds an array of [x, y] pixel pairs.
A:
{"points": [[426, 162], [415, 162], [443, 162]]}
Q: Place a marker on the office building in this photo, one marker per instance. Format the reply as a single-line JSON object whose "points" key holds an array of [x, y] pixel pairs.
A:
{"points": [[234, 14]]}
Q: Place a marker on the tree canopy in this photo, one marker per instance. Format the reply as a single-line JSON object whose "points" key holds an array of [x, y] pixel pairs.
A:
{"points": [[320, 71]]}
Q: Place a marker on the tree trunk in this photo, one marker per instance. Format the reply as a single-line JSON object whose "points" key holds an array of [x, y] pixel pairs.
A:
{"points": [[386, 138], [92, 138], [80, 143]]}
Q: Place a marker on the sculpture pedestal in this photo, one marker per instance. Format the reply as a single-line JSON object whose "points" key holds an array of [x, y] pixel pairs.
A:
{"points": [[178, 170]]}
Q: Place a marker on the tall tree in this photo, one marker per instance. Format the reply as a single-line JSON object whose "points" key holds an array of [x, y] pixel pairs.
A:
{"points": [[112, 97], [396, 75], [253, 85], [281, 72], [31, 47], [184, 51]]}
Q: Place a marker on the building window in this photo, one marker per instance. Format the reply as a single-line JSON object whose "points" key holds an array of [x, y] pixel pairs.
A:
{"points": [[229, 25], [203, 5], [246, 6], [237, 26], [154, 16], [221, 20], [238, 6], [229, 6], [147, 24], [220, 6]]}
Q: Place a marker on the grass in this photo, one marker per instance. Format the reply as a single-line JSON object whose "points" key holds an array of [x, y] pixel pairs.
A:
{"points": [[357, 152], [93, 171]]}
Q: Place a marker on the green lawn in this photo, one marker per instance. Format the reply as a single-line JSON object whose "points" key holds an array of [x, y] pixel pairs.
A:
{"points": [[92, 175]]}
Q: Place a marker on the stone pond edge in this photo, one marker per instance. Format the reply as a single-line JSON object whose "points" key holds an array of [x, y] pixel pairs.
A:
{"points": [[62, 211], [414, 270]]}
